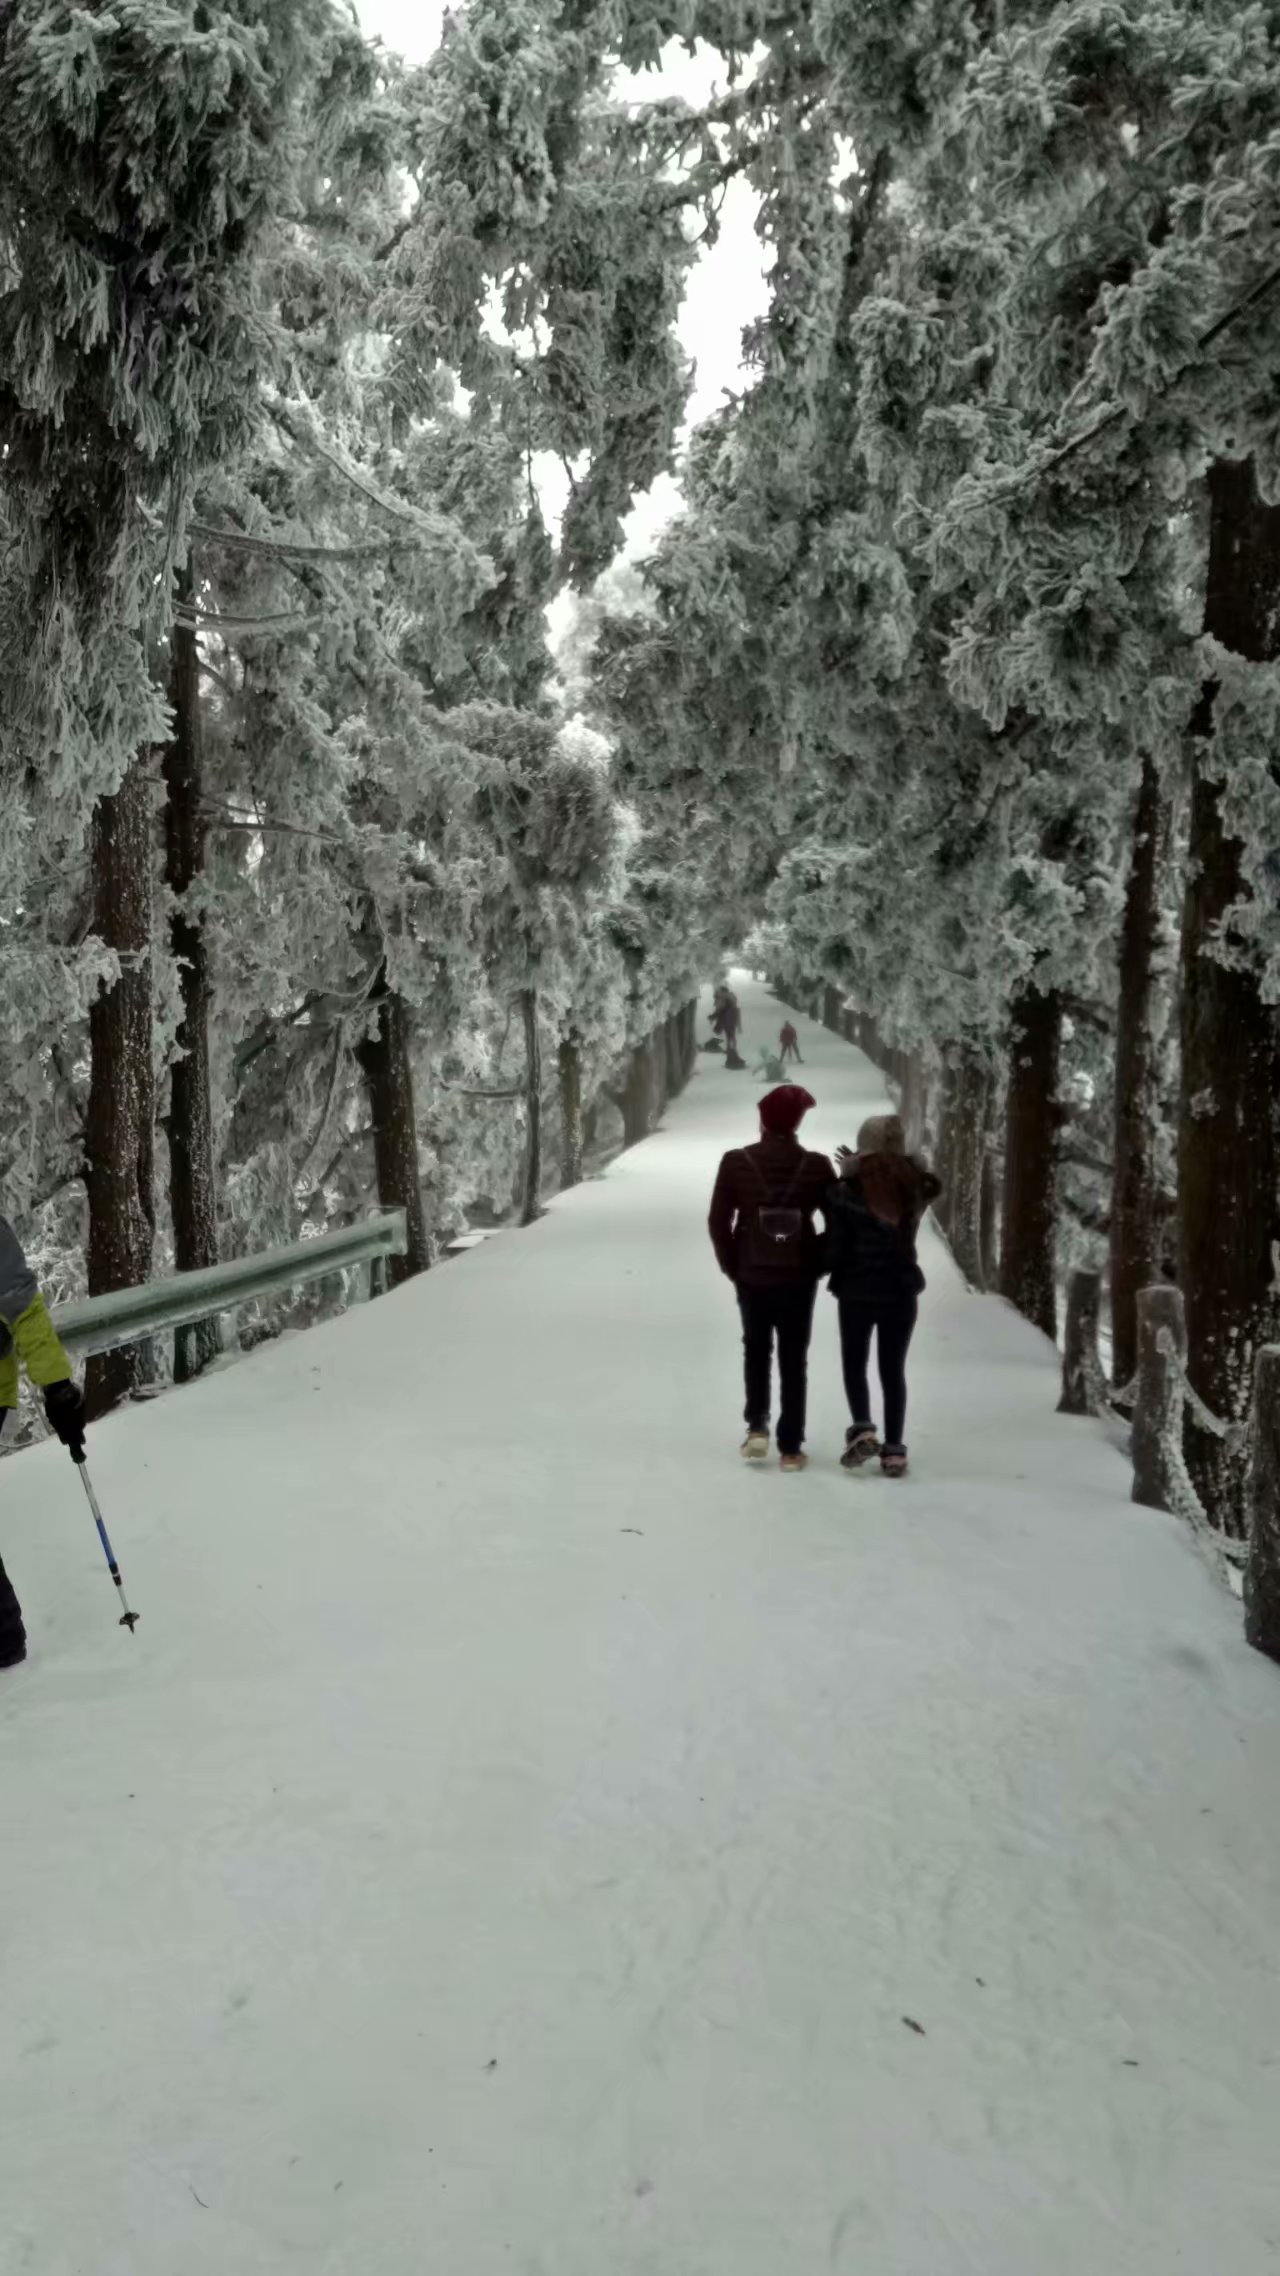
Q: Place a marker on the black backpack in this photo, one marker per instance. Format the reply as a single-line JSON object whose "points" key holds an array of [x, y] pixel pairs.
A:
{"points": [[774, 1232]]}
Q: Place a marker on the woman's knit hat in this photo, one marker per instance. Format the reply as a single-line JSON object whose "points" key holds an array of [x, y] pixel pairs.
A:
{"points": [[882, 1134]]}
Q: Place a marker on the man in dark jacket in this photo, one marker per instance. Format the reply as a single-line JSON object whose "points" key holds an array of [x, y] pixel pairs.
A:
{"points": [[766, 1243], [27, 1333]]}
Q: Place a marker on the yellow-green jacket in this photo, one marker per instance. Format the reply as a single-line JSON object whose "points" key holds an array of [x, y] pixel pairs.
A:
{"points": [[26, 1330]]}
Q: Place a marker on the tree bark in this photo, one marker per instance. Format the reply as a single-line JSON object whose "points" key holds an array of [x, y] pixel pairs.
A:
{"points": [[1028, 1248], [658, 1063], [914, 1102], [637, 1096], [1080, 1362], [192, 1195], [1158, 1308], [571, 1136], [120, 1122], [989, 1218], [531, 1200], [1228, 1144], [1134, 1228], [947, 1146], [831, 1010], [385, 1058], [1262, 1573], [970, 1087], [690, 1038]]}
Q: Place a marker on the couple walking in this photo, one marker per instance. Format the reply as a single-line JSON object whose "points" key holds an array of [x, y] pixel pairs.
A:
{"points": [[762, 1228]]}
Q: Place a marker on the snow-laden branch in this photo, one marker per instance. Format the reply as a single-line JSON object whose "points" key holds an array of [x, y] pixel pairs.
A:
{"points": [[1115, 412], [290, 549]]}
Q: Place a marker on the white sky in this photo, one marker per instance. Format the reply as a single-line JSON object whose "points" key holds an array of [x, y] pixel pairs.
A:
{"points": [[726, 290]]}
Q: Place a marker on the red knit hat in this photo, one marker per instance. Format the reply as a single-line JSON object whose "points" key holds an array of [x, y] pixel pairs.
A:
{"points": [[782, 1111]]}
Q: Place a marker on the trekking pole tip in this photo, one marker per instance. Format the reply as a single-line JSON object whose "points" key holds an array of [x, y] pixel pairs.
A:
{"points": [[130, 1620]]}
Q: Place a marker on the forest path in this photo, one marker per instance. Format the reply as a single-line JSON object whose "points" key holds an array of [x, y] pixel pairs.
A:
{"points": [[518, 1839]]}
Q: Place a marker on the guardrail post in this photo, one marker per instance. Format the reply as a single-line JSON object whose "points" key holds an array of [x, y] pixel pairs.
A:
{"points": [[1262, 1572], [1081, 1366], [1157, 1394]]}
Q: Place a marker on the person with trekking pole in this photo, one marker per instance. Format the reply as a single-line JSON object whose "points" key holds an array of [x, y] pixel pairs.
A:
{"points": [[27, 1334], [766, 1243]]}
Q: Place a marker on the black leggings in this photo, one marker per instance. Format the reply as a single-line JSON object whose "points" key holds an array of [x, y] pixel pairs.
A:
{"points": [[893, 1326]]}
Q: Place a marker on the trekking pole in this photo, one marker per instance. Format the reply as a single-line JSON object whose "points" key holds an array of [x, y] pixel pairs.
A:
{"points": [[128, 1619]]}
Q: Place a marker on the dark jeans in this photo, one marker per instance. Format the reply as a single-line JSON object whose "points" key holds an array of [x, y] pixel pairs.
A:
{"points": [[893, 1326], [783, 1311]]}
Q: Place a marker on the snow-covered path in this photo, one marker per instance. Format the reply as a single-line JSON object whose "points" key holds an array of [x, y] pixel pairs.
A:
{"points": [[517, 1838]]}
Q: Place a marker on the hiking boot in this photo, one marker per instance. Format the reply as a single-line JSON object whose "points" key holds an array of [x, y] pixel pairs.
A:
{"points": [[893, 1461], [793, 1461], [860, 1445], [755, 1446]]}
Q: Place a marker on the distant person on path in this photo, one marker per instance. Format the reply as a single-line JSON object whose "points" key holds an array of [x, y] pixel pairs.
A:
{"points": [[727, 1017], [766, 1243], [873, 1216], [789, 1045], [27, 1334]]}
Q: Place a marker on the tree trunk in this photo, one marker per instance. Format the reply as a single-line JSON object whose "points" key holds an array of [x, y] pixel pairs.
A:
{"points": [[531, 1197], [386, 1061], [571, 1138], [989, 1212], [831, 1010], [658, 1062], [1080, 1363], [913, 1104], [1134, 1231], [120, 1122], [970, 1084], [671, 1060], [690, 1038], [1262, 1573], [192, 1197], [1158, 1309], [948, 1138], [1028, 1249], [637, 1096], [1228, 1147]]}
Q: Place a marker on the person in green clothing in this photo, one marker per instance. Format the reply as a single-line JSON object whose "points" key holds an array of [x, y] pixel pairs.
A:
{"points": [[27, 1334]]}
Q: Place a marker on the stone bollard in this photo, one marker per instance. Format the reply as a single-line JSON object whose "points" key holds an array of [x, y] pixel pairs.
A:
{"points": [[1081, 1366], [1262, 1572], [1159, 1393]]}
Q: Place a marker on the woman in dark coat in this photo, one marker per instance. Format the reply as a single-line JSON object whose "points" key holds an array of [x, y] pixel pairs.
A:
{"points": [[873, 1215]]}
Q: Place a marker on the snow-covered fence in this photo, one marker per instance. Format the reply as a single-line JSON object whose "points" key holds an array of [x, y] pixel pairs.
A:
{"points": [[131, 1315], [1262, 1572]]}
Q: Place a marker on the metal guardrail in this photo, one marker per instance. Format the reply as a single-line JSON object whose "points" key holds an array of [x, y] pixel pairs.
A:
{"points": [[128, 1315]]}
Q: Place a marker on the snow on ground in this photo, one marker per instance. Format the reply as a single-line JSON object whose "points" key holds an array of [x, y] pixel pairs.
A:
{"points": [[517, 1837]]}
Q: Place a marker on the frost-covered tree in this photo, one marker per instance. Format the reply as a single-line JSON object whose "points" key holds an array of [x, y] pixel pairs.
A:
{"points": [[145, 155]]}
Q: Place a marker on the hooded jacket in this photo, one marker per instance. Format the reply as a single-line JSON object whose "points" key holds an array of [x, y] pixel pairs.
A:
{"points": [[26, 1331]]}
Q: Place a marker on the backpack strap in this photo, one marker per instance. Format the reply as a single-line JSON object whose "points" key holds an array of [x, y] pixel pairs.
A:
{"points": [[770, 1201]]}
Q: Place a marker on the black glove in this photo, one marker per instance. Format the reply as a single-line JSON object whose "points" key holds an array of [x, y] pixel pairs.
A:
{"points": [[64, 1405]]}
